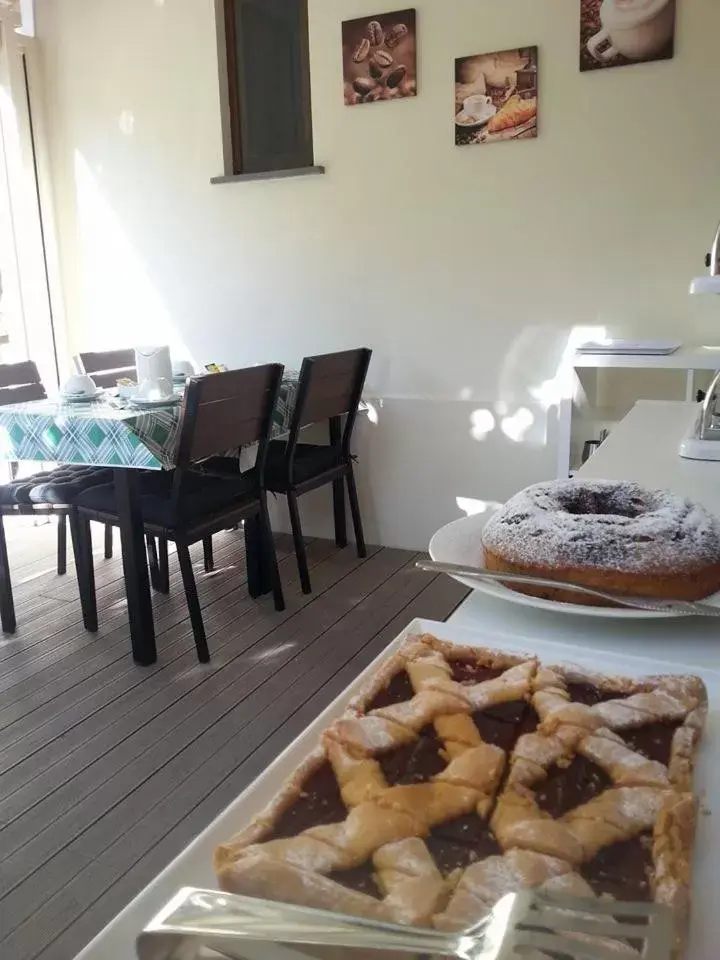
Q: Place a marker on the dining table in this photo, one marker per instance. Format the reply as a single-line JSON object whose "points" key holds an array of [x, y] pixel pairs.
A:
{"points": [[109, 431]]}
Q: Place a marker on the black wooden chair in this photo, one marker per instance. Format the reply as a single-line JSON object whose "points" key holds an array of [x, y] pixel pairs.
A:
{"points": [[42, 494], [220, 412], [106, 367], [330, 388]]}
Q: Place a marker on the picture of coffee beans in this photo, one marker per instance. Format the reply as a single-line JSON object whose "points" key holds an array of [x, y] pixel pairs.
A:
{"points": [[396, 76], [376, 33], [363, 85], [395, 35], [380, 58], [383, 59], [361, 51]]}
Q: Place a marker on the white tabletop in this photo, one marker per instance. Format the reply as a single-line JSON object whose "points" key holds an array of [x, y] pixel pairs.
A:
{"points": [[643, 447]]}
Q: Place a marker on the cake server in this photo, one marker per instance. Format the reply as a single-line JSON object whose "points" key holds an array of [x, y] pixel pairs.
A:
{"points": [[206, 923], [654, 604]]}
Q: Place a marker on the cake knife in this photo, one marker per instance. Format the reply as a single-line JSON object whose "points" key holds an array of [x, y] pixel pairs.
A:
{"points": [[198, 924], [651, 604]]}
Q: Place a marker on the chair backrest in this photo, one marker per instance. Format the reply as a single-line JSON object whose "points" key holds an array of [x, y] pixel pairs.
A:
{"points": [[108, 366], [226, 411], [330, 386], [20, 383]]}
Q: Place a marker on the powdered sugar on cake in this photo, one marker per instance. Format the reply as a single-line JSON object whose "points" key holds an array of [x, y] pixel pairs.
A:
{"points": [[603, 524]]}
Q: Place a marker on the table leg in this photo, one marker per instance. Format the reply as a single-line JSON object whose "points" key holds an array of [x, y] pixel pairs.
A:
{"points": [[253, 557], [259, 581], [137, 582]]}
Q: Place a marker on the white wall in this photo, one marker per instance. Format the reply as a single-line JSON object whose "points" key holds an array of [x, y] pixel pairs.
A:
{"points": [[464, 269]]}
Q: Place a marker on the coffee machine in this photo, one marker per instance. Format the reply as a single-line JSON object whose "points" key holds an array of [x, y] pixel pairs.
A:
{"points": [[702, 441]]}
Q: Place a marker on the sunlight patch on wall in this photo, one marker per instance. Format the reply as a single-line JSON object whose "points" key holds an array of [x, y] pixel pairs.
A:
{"points": [[123, 308], [371, 412], [126, 122], [472, 507], [482, 423], [561, 386], [517, 426]]}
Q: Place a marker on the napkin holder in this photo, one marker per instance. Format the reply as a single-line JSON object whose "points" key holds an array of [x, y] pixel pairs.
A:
{"points": [[153, 363]]}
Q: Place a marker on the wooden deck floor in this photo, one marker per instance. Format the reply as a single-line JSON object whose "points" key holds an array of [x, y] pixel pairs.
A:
{"points": [[107, 769]]}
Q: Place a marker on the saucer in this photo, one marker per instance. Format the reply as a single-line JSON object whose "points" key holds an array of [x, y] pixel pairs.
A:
{"points": [[465, 122], [81, 397]]}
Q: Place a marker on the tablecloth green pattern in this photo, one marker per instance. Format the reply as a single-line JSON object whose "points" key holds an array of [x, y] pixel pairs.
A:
{"points": [[100, 433]]}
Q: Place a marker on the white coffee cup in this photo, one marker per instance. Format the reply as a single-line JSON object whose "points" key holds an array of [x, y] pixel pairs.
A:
{"points": [[154, 388], [637, 29], [79, 385], [182, 368], [477, 106]]}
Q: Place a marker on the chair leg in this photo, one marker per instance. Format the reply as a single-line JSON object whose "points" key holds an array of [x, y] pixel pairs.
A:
{"points": [[355, 513], [82, 548], [62, 545], [193, 603], [208, 554], [108, 541], [338, 489], [270, 557], [299, 542], [164, 566], [7, 607], [153, 566]]}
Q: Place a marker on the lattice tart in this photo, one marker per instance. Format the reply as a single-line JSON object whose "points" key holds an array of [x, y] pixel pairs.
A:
{"points": [[461, 774]]}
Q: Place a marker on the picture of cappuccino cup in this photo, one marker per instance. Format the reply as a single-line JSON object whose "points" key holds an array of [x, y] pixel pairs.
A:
{"points": [[636, 29]]}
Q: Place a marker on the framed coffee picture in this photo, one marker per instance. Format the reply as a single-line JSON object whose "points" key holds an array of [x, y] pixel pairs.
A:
{"points": [[619, 33], [379, 55], [496, 97]]}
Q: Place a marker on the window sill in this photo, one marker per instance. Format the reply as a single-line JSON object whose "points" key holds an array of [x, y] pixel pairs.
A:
{"points": [[270, 175]]}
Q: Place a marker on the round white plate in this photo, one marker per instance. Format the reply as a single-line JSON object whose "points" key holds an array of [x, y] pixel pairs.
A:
{"points": [[163, 402], [82, 397], [479, 122], [461, 542]]}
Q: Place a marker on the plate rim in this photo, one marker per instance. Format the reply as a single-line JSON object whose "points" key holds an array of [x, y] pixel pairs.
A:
{"points": [[164, 402], [500, 592]]}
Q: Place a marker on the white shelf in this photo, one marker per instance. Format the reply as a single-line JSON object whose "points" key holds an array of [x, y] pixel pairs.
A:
{"points": [[686, 358]]}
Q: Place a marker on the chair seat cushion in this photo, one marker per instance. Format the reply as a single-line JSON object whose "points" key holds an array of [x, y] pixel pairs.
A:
{"points": [[59, 487], [311, 460], [201, 496]]}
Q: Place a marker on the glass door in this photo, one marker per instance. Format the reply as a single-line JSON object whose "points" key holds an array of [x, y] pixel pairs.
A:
{"points": [[27, 328]]}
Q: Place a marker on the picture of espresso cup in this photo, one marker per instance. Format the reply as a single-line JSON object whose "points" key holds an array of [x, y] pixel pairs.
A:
{"points": [[478, 106], [635, 29]]}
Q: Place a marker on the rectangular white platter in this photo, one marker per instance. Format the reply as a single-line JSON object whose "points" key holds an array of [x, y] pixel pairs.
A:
{"points": [[194, 865]]}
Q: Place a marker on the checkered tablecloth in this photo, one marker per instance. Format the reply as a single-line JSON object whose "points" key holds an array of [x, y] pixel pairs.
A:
{"points": [[102, 434]]}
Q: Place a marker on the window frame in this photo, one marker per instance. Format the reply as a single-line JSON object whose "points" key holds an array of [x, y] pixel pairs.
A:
{"points": [[232, 96]]}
